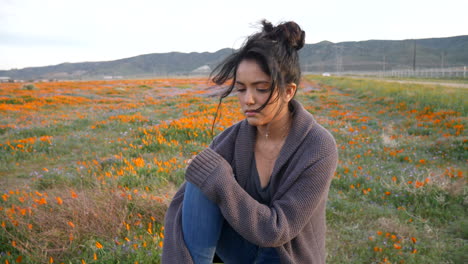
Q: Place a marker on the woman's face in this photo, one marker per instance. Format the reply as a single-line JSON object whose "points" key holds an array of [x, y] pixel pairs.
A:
{"points": [[253, 89]]}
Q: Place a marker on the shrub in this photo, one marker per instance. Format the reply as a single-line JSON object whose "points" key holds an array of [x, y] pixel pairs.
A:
{"points": [[29, 87]]}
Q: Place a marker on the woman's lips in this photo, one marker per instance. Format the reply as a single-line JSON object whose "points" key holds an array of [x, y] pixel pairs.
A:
{"points": [[250, 113]]}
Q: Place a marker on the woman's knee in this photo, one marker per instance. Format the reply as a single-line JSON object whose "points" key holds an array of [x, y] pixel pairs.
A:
{"points": [[195, 200], [199, 214], [201, 224]]}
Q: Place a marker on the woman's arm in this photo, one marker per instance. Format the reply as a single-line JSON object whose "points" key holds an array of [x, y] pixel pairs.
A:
{"points": [[263, 225]]}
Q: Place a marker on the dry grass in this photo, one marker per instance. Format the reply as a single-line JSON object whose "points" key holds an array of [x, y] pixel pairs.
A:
{"points": [[394, 226], [79, 216]]}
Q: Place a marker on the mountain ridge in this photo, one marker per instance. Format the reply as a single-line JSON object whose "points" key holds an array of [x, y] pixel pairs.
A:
{"points": [[367, 55]]}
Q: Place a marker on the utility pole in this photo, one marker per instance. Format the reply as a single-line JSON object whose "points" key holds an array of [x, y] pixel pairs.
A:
{"points": [[339, 58], [442, 63], [414, 55], [442, 58], [383, 64]]}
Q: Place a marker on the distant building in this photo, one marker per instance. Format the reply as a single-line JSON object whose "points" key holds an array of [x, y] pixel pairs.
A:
{"points": [[4, 79], [202, 70], [111, 77]]}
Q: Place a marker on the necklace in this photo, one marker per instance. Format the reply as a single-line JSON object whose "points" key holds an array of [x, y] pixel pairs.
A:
{"points": [[284, 129], [267, 148]]}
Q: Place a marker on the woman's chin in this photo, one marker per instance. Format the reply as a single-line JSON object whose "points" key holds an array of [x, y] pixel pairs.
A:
{"points": [[253, 121]]}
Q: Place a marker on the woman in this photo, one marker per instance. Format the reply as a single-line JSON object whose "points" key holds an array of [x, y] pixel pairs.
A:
{"points": [[258, 193]]}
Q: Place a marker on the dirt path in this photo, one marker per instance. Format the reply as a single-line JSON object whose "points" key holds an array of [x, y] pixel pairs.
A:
{"points": [[448, 84]]}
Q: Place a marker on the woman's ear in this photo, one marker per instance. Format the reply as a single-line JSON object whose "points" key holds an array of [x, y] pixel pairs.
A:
{"points": [[290, 91]]}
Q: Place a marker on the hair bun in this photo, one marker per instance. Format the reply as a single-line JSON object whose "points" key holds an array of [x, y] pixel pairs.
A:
{"points": [[292, 34], [287, 32]]}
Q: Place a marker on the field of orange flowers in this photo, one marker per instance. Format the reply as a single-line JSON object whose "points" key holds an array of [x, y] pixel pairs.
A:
{"points": [[87, 168]]}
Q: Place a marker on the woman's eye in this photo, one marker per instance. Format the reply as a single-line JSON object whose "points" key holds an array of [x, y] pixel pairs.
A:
{"points": [[240, 89], [262, 90]]}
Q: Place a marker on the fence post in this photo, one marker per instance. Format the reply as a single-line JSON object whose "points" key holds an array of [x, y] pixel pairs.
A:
{"points": [[464, 72]]}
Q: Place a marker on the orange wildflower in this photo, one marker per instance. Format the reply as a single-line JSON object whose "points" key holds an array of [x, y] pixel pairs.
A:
{"points": [[41, 201], [99, 245], [418, 184], [59, 200], [73, 194], [139, 162]]}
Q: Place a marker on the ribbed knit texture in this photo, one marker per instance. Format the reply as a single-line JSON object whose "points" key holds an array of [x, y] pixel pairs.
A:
{"points": [[294, 222]]}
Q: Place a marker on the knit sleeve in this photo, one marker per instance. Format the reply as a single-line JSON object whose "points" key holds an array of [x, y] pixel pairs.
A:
{"points": [[265, 226]]}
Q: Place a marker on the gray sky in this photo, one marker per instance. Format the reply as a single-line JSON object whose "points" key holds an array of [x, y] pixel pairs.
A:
{"points": [[48, 32]]}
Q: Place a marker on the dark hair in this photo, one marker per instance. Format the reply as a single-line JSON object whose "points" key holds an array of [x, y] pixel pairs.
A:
{"points": [[274, 48]]}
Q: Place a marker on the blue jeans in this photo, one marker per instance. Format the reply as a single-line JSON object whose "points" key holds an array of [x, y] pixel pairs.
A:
{"points": [[205, 232]]}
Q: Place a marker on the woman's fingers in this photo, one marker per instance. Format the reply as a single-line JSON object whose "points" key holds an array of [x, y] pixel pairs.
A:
{"points": [[190, 160]]}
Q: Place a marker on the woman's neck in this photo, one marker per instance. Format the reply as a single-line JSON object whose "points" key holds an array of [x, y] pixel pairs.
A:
{"points": [[277, 129]]}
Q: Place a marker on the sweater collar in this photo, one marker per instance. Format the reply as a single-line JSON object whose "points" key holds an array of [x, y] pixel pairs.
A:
{"points": [[303, 121]]}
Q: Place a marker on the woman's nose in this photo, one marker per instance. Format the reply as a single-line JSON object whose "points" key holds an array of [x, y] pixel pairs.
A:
{"points": [[249, 98]]}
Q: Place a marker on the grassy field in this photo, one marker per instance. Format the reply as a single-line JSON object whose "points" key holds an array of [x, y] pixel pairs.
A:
{"points": [[87, 169]]}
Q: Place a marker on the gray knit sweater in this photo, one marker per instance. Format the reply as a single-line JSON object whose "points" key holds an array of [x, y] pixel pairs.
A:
{"points": [[294, 222]]}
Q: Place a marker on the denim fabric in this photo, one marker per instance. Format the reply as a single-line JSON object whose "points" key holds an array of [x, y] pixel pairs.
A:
{"points": [[205, 232]]}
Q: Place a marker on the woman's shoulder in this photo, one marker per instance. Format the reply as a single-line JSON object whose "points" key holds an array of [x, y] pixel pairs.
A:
{"points": [[316, 136], [322, 139]]}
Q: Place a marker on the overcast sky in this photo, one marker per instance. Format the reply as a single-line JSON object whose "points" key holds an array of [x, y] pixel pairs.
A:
{"points": [[48, 32]]}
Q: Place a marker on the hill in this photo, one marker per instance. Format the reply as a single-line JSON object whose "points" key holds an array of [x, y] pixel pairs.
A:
{"points": [[370, 55], [374, 55]]}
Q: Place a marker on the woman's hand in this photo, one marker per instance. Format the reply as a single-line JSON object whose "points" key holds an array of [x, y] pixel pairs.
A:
{"points": [[190, 161]]}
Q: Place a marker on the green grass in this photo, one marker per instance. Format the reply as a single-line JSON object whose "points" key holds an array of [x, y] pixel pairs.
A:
{"points": [[401, 143], [418, 96], [399, 193]]}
